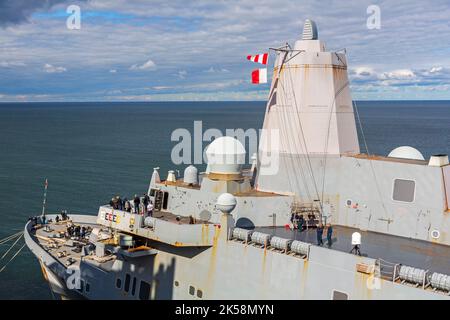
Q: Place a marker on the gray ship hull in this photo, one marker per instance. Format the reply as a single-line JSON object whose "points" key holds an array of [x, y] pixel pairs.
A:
{"points": [[228, 269]]}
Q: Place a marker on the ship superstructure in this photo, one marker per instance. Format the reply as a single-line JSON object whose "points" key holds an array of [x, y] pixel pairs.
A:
{"points": [[225, 233]]}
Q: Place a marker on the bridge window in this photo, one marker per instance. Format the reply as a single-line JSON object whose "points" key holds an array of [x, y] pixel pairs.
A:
{"points": [[404, 190], [339, 295], [144, 291]]}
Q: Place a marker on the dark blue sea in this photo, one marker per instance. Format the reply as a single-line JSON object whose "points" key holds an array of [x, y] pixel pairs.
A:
{"points": [[92, 151]]}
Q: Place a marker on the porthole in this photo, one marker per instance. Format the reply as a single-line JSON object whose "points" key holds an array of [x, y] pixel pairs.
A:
{"points": [[191, 290], [199, 294], [435, 234], [348, 202], [176, 283]]}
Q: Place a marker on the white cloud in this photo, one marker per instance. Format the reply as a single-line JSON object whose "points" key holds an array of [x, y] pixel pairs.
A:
{"points": [[10, 64], [52, 69], [218, 70], [209, 39], [435, 69], [148, 65], [161, 87], [399, 74], [113, 71], [182, 74]]}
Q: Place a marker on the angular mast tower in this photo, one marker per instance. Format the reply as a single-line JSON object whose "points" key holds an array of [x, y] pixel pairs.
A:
{"points": [[311, 108]]}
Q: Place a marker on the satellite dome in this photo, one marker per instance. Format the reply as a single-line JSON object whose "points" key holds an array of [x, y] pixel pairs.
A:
{"points": [[225, 155], [190, 175], [226, 202], [406, 152]]}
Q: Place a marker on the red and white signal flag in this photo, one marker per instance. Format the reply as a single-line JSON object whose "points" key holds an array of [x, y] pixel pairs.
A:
{"points": [[259, 76], [259, 58]]}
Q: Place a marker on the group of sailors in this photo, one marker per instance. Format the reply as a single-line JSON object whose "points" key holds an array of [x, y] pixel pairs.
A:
{"points": [[139, 205], [300, 223], [76, 231], [320, 230]]}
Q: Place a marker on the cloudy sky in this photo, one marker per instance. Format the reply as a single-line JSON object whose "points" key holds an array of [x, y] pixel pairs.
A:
{"points": [[196, 50]]}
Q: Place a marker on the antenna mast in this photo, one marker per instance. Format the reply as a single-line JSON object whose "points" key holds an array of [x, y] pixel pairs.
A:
{"points": [[45, 197]]}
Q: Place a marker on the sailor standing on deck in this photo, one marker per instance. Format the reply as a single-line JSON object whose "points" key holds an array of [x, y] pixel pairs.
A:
{"points": [[329, 234], [150, 209], [319, 234], [137, 202], [300, 223], [145, 201]]}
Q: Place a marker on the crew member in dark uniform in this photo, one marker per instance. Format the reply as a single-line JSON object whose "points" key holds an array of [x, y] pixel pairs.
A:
{"points": [[137, 202], [329, 234], [319, 234]]}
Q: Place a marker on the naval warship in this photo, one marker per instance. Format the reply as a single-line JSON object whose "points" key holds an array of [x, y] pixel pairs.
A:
{"points": [[227, 233]]}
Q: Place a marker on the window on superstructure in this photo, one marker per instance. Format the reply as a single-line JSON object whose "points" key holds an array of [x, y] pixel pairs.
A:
{"points": [[118, 283], [165, 200], [144, 291], [404, 190], [133, 286], [126, 287]]}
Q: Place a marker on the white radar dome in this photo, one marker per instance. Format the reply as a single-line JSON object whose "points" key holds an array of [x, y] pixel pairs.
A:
{"points": [[406, 152], [226, 202], [225, 155], [190, 175]]}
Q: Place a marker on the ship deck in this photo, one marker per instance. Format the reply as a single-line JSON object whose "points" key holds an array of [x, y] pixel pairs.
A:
{"points": [[392, 249], [64, 250]]}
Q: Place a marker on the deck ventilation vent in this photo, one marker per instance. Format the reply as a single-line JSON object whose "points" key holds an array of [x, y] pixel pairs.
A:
{"points": [[438, 160]]}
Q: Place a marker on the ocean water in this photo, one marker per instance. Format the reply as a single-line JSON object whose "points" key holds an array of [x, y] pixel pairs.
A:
{"points": [[92, 151]]}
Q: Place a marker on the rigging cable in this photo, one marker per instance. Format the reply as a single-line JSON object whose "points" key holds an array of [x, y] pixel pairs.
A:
{"points": [[9, 238], [10, 248], [325, 151], [13, 257], [306, 150], [304, 142], [370, 161], [285, 120]]}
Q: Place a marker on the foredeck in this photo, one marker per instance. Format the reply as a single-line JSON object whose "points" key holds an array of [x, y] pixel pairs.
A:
{"points": [[393, 249], [64, 250]]}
